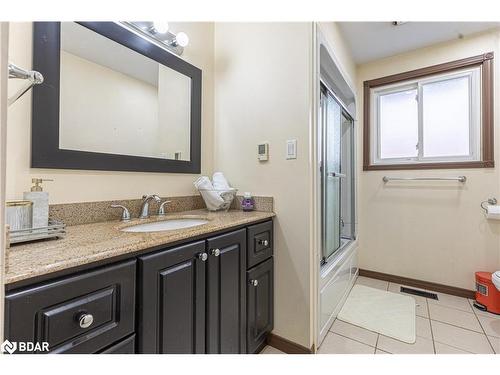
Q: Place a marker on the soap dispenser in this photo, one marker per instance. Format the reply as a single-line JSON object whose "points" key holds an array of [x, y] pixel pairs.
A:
{"points": [[40, 201]]}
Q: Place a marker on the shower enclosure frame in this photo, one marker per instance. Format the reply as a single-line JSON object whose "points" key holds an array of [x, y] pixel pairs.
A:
{"points": [[348, 178], [333, 279]]}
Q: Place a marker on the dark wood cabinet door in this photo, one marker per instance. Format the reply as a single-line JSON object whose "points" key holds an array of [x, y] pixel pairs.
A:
{"points": [[172, 300], [226, 293], [260, 303]]}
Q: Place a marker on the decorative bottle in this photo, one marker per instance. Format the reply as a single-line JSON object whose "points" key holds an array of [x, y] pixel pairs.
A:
{"points": [[248, 203]]}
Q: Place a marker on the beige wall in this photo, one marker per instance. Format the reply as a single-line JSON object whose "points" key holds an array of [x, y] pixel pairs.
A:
{"points": [[71, 185], [263, 95], [4, 31], [434, 231]]}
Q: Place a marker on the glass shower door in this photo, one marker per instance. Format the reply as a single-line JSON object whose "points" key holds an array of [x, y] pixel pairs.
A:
{"points": [[331, 118]]}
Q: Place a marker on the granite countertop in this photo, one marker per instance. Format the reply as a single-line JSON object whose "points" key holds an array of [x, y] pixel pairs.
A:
{"points": [[88, 243]]}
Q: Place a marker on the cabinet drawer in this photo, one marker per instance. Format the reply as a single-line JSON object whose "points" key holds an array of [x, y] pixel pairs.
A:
{"points": [[65, 321], [126, 346], [260, 243], [78, 314]]}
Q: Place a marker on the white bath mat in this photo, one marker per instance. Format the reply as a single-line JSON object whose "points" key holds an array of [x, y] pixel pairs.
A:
{"points": [[389, 314]]}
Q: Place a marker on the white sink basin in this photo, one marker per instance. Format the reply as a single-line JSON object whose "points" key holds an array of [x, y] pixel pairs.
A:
{"points": [[159, 226]]}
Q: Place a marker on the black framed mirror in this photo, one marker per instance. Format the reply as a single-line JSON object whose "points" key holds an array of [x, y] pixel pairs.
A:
{"points": [[112, 100]]}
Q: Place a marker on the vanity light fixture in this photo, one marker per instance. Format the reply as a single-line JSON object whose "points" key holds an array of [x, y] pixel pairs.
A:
{"points": [[181, 39], [160, 27], [158, 32]]}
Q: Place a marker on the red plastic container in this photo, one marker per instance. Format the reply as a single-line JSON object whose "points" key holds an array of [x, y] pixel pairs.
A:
{"points": [[487, 294]]}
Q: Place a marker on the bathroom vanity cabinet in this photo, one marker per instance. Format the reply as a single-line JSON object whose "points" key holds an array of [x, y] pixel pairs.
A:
{"points": [[209, 295]]}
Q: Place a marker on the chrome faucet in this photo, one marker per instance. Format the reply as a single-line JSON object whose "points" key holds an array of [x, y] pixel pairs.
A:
{"points": [[145, 205]]}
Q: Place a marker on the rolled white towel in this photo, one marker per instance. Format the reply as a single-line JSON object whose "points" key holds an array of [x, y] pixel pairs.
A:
{"points": [[220, 182], [203, 182], [212, 198]]}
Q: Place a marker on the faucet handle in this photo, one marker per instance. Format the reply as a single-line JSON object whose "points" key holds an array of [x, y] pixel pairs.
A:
{"points": [[152, 196], [161, 210], [125, 211]]}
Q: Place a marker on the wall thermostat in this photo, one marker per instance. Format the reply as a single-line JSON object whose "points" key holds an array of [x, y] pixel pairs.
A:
{"points": [[263, 151]]}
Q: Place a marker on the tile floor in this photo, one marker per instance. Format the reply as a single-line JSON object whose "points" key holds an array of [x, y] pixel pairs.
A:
{"points": [[447, 326]]}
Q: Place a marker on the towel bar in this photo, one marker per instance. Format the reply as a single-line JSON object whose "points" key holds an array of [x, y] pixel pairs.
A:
{"points": [[31, 76], [458, 178]]}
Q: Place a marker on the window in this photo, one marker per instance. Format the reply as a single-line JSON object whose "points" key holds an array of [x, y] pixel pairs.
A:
{"points": [[435, 117], [428, 120]]}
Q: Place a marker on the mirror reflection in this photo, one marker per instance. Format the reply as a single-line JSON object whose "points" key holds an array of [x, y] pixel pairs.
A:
{"points": [[114, 100]]}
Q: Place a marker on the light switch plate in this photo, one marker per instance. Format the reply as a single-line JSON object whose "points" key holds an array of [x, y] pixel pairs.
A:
{"points": [[291, 149]]}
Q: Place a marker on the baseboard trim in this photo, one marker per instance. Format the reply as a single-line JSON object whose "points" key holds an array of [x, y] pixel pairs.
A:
{"points": [[465, 293], [287, 346]]}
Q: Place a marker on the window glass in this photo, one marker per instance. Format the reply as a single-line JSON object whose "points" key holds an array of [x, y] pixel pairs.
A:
{"points": [[398, 118], [446, 118]]}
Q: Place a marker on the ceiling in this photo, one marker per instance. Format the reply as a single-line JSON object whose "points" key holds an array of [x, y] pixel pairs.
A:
{"points": [[370, 41]]}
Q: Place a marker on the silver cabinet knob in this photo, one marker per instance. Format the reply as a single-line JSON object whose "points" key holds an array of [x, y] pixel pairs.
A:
{"points": [[264, 242], [85, 320], [203, 256], [215, 252], [254, 282]]}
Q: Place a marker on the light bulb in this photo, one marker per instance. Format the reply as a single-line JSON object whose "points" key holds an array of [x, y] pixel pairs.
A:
{"points": [[160, 27], [182, 39]]}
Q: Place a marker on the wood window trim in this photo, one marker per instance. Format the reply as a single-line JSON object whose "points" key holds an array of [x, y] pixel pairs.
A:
{"points": [[485, 61]]}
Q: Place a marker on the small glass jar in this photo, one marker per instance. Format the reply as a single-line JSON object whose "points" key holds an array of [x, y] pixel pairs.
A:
{"points": [[248, 203]]}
